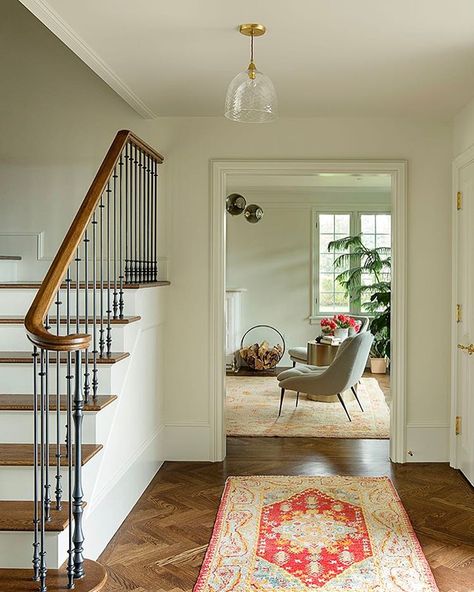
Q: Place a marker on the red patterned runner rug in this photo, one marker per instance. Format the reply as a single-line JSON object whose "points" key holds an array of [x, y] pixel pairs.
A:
{"points": [[335, 534]]}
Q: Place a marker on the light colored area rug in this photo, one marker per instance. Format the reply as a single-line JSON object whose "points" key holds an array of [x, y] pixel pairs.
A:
{"points": [[298, 534], [252, 410]]}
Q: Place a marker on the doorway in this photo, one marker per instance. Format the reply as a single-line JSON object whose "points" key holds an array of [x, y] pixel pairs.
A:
{"points": [[224, 175]]}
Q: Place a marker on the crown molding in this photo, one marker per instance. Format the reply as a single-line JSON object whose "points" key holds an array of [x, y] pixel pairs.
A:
{"points": [[51, 19]]}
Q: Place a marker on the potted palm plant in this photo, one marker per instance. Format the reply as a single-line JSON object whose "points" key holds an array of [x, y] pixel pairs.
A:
{"points": [[365, 277]]}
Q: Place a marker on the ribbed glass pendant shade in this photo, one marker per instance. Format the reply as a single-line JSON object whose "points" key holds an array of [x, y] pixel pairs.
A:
{"points": [[251, 100]]}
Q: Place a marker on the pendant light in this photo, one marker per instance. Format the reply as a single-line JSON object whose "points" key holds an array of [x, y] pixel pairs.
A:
{"points": [[251, 96]]}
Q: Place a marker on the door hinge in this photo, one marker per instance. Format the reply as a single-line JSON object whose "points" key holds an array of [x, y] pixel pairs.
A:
{"points": [[458, 313], [458, 425], [459, 200]]}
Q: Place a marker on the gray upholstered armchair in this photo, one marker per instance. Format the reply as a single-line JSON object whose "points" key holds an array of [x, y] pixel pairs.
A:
{"points": [[300, 354], [344, 373]]}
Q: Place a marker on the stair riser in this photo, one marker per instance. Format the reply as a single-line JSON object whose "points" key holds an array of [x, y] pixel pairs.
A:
{"points": [[15, 301], [18, 378], [16, 549], [16, 427], [13, 337], [16, 483]]}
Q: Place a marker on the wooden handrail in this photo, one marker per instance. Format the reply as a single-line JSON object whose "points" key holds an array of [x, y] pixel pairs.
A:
{"points": [[36, 330]]}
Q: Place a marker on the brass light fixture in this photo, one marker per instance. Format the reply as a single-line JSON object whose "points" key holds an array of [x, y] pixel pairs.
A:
{"points": [[251, 96]]}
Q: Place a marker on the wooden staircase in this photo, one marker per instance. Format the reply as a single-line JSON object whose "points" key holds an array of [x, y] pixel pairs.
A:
{"points": [[57, 407]]}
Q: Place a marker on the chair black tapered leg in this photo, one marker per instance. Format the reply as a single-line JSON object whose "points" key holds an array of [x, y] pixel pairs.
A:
{"points": [[281, 400], [294, 363], [341, 400], [357, 398], [297, 398]]}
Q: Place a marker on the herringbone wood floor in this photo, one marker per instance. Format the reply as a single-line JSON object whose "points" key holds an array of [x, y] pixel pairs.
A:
{"points": [[161, 544]]}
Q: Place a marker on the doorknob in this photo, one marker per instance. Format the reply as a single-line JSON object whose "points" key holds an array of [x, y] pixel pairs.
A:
{"points": [[469, 348]]}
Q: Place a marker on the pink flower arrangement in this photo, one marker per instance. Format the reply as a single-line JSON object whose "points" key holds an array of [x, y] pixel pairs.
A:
{"points": [[339, 321]]}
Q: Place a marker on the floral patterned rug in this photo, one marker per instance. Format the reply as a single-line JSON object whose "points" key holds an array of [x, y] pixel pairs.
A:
{"points": [[252, 410], [298, 534]]}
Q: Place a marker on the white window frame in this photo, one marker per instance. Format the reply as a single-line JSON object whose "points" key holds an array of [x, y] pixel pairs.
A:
{"points": [[355, 227]]}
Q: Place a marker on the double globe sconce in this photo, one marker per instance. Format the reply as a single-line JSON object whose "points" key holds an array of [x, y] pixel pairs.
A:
{"points": [[236, 204]]}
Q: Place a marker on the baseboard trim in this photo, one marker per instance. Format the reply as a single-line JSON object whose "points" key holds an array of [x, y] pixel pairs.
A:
{"points": [[427, 442]]}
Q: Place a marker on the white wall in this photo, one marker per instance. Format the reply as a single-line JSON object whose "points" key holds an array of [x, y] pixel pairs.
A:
{"points": [[463, 129], [57, 120], [189, 144], [272, 259]]}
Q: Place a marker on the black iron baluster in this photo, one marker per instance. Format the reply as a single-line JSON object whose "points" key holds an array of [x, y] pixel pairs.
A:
{"points": [[43, 454], [87, 386], [128, 162], [78, 413], [70, 553], [47, 492], [101, 255], [142, 209], [115, 299], [58, 490], [95, 381], [135, 215], [121, 222], [69, 377], [36, 560], [146, 217], [108, 339], [155, 222]]}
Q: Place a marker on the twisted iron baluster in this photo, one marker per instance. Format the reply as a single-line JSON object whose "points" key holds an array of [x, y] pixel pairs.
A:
{"points": [[128, 179], [135, 215], [47, 492]]}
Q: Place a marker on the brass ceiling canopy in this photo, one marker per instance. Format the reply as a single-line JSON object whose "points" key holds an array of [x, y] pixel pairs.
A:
{"points": [[254, 29]]}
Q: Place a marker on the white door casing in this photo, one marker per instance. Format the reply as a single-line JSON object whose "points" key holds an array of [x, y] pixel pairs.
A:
{"points": [[219, 170], [462, 396]]}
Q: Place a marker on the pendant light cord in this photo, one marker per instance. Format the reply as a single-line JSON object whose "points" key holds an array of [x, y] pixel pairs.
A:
{"points": [[251, 48]]}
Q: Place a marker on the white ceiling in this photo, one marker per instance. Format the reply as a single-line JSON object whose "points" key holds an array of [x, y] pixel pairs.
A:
{"points": [[295, 182], [325, 57]]}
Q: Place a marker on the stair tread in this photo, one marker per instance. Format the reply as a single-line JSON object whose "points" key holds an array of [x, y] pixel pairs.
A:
{"points": [[19, 580], [26, 285], [25, 357], [9, 402], [21, 455], [19, 320], [18, 516]]}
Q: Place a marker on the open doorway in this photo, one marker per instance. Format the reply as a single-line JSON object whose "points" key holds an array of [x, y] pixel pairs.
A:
{"points": [[283, 273], [308, 265]]}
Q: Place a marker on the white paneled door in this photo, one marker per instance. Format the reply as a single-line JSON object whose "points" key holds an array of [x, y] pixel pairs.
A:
{"points": [[464, 277]]}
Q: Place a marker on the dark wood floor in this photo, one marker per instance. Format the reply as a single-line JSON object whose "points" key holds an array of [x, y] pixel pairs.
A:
{"points": [[162, 543]]}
